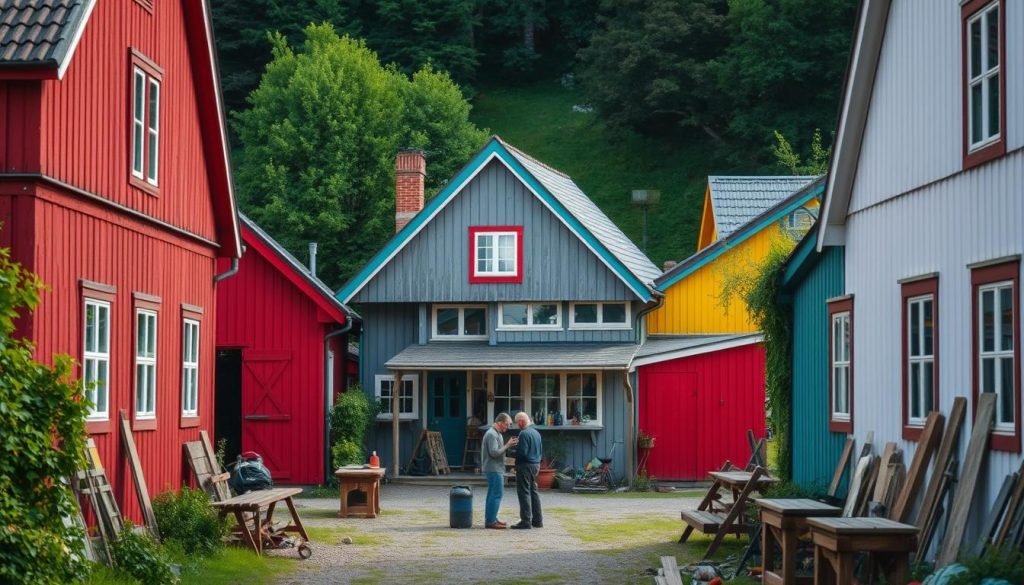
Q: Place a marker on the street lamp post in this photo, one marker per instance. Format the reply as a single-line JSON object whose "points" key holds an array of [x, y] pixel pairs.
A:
{"points": [[644, 198]]}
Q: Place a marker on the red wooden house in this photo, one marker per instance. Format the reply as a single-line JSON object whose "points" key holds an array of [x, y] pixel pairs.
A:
{"points": [[115, 189], [282, 355]]}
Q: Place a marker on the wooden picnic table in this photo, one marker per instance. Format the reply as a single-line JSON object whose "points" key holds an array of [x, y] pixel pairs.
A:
{"points": [[737, 480], [251, 526], [733, 520], [783, 520], [359, 480], [837, 540]]}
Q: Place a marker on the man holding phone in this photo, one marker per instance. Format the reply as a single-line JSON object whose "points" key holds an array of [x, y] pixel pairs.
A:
{"points": [[492, 463], [528, 454]]}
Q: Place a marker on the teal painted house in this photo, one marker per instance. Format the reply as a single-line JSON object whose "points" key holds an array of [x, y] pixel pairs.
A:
{"points": [[809, 279]]}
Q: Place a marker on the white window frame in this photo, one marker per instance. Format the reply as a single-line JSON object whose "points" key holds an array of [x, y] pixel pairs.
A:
{"points": [[190, 368], [842, 364], [526, 384], [153, 131], [997, 354], [922, 360], [145, 401], [495, 271], [462, 323], [91, 361], [600, 316], [145, 126], [984, 78], [378, 392], [138, 122], [530, 325]]}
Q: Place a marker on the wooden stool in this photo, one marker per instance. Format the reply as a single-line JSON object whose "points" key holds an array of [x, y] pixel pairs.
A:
{"points": [[783, 521], [836, 540], [364, 480]]}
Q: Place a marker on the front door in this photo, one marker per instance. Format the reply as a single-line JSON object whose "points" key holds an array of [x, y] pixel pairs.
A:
{"points": [[446, 411], [266, 414]]}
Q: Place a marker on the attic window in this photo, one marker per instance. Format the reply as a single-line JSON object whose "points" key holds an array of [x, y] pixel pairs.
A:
{"points": [[145, 123], [984, 81], [496, 255]]}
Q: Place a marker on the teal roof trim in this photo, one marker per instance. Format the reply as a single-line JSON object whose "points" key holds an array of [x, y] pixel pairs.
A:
{"points": [[801, 259], [740, 236], [494, 147]]}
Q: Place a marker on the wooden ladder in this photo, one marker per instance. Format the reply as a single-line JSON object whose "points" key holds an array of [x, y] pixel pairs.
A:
{"points": [[471, 447]]}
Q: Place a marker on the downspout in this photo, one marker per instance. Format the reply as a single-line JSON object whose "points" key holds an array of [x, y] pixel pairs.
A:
{"points": [[229, 272], [349, 324], [631, 419]]}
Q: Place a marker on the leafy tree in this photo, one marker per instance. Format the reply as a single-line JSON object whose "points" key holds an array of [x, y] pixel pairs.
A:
{"points": [[319, 142], [42, 437], [789, 159], [646, 66]]}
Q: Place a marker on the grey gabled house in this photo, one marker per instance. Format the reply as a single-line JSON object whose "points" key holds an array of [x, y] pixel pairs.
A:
{"points": [[509, 291]]}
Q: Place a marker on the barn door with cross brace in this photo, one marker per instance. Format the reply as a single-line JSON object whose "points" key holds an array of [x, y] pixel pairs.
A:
{"points": [[266, 421]]}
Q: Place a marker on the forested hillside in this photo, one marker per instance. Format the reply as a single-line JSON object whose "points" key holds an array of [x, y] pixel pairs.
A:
{"points": [[621, 94]]}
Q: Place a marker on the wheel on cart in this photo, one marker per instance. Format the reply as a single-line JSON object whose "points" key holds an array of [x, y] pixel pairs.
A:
{"points": [[305, 551]]}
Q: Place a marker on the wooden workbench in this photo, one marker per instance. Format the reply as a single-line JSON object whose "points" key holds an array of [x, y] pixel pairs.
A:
{"points": [[252, 527]]}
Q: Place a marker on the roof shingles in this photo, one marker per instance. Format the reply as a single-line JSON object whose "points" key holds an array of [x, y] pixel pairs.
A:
{"points": [[737, 200], [38, 32]]}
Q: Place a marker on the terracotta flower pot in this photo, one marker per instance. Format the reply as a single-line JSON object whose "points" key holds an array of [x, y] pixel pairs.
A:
{"points": [[546, 478]]}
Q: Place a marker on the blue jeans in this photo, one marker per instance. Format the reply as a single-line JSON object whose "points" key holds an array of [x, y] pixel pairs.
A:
{"points": [[495, 489]]}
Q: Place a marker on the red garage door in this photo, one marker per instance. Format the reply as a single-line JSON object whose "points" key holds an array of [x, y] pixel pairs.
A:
{"points": [[699, 409]]}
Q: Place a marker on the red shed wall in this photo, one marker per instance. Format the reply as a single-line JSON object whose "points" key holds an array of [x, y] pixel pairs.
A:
{"points": [[281, 335], [699, 409], [85, 117], [64, 239]]}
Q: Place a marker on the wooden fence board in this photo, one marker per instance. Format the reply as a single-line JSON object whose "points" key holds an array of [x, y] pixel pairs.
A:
{"points": [[922, 456], [141, 490]]}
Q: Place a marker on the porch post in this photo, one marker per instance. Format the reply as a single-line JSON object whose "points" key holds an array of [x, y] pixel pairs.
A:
{"points": [[396, 391], [630, 446]]}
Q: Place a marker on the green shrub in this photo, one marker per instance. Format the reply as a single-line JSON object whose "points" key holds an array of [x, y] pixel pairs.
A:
{"points": [[187, 519], [138, 555], [345, 452], [352, 415], [643, 482], [997, 563], [42, 438]]}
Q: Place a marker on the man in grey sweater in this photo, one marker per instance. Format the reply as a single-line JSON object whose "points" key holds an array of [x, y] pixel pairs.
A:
{"points": [[528, 455], [492, 463]]}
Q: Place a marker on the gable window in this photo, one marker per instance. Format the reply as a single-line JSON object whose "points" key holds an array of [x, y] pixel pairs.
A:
{"points": [[460, 322], [996, 365], [408, 399], [496, 255], [145, 123], [984, 83], [840, 313], [96, 358], [599, 316], [920, 351], [190, 368], [145, 364], [530, 315]]}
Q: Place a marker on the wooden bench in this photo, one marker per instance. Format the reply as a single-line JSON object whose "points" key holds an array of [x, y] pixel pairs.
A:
{"points": [[720, 523], [837, 540], [783, 521]]}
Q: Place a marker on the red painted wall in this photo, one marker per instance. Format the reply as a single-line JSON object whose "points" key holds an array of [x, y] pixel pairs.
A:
{"points": [[281, 332], [699, 409], [82, 240]]}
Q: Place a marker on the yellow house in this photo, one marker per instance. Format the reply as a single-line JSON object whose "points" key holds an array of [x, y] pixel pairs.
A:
{"points": [[740, 219]]}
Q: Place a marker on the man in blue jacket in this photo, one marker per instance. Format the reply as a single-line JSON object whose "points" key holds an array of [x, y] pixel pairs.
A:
{"points": [[528, 454]]}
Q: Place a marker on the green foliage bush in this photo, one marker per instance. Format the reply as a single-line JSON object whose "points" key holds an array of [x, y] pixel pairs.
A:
{"points": [[42, 438], [996, 563], [352, 416], [187, 519], [138, 555], [346, 452]]}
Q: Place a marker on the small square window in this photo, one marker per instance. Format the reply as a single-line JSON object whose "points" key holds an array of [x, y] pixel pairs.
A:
{"points": [[457, 322], [496, 255]]}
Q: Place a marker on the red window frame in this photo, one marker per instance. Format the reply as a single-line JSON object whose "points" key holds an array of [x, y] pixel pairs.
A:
{"points": [[842, 305], [998, 148], [910, 290], [152, 71], [980, 276], [517, 278]]}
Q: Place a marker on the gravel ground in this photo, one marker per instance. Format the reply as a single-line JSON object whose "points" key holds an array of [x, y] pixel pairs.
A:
{"points": [[411, 541]]}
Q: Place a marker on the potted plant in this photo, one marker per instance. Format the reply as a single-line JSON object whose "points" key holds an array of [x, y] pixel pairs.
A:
{"points": [[644, 441], [554, 452]]}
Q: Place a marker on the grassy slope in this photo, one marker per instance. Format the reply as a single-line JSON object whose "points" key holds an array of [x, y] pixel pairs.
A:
{"points": [[539, 119]]}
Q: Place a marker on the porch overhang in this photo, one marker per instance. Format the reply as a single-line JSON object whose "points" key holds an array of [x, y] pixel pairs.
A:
{"points": [[461, 355]]}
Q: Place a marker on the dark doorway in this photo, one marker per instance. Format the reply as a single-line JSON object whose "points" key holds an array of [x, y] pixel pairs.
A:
{"points": [[228, 412]]}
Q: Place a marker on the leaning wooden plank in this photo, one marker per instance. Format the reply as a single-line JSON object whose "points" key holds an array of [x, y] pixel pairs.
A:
{"points": [[928, 520], [857, 484], [883, 472], [896, 478], [141, 490], [671, 569], [922, 456], [218, 480], [995, 514], [950, 440], [844, 462], [861, 508], [961, 508], [1011, 510]]}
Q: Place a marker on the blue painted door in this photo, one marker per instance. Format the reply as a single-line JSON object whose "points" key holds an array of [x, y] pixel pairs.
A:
{"points": [[446, 411]]}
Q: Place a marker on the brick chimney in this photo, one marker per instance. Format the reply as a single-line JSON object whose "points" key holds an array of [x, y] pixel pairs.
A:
{"points": [[668, 265], [410, 169]]}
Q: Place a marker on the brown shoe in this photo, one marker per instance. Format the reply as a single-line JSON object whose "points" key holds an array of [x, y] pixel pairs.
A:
{"points": [[496, 526]]}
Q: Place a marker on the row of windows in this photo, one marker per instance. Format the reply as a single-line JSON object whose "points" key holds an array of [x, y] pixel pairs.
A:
{"points": [[576, 395], [470, 321], [96, 362], [995, 355]]}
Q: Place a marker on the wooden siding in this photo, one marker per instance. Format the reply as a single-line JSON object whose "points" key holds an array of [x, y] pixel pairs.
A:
{"points": [[913, 132], [268, 316], [85, 241], [941, 228], [19, 126], [85, 118], [433, 266], [815, 450], [692, 305], [699, 409]]}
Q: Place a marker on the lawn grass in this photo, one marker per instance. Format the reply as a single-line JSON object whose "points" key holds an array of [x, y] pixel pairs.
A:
{"points": [[232, 566], [333, 535], [539, 119]]}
